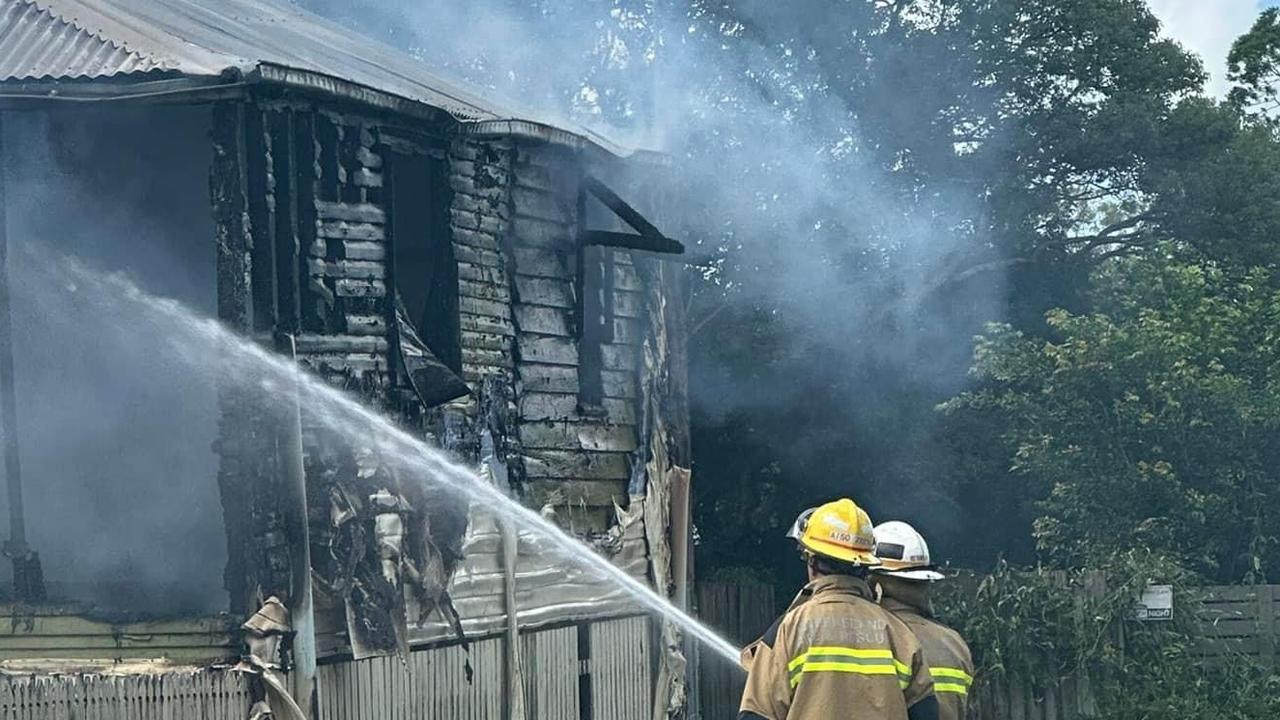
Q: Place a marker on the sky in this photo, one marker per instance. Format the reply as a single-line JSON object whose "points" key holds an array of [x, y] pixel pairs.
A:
{"points": [[1208, 27]]}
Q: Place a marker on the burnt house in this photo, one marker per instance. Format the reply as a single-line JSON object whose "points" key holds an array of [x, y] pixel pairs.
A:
{"points": [[495, 282]]}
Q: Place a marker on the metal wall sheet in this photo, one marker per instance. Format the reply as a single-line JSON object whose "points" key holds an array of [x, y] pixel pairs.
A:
{"points": [[550, 668], [620, 667], [548, 589], [432, 685]]}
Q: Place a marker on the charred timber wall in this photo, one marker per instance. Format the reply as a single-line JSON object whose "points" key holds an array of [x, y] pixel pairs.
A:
{"points": [[514, 219], [573, 455], [305, 199]]}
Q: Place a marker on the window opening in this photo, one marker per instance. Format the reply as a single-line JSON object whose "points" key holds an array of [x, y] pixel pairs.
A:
{"points": [[424, 276]]}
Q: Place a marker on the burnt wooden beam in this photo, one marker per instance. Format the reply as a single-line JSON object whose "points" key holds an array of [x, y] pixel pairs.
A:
{"points": [[232, 243], [620, 207], [261, 225], [649, 239], [231, 216], [629, 241], [288, 249], [307, 204]]}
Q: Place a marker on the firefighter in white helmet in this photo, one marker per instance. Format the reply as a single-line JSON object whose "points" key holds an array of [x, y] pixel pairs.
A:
{"points": [[903, 579], [835, 654]]}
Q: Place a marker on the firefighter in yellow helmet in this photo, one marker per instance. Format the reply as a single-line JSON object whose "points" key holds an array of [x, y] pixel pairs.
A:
{"points": [[836, 654], [904, 577]]}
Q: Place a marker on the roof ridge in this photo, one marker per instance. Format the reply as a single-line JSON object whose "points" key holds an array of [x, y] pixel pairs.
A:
{"points": [[79, 25]]}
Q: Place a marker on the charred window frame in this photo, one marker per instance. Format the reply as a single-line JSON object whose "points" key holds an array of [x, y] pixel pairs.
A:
{"points": [[422, 271], [596, 268]]}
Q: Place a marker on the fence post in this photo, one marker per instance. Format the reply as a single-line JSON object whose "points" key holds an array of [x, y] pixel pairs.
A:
{"points": [[1266, 625]]}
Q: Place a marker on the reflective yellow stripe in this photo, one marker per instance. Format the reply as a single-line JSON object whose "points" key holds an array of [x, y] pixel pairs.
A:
{"points": [[843, 652], [953, 680], [952, 673], [862, 661]]}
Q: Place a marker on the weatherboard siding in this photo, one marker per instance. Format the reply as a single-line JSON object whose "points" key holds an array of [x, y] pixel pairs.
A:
{"points": [[571, 458], [480, 176]]}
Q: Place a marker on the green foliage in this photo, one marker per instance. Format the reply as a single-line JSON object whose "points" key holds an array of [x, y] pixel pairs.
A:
{"points": [[1213, 182], [1149, 422], [1035, 626], [1253, 67]]}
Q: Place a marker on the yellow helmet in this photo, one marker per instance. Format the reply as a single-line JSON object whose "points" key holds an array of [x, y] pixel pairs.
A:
{"points": [[842, 531]]}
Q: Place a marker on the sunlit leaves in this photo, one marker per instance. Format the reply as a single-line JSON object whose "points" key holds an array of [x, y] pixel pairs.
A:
{"points": [[1148, 422]]}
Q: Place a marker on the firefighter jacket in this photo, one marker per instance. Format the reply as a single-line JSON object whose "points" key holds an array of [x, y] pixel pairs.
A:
{"points": [[948, 656], [748, 653], [837, 654]]}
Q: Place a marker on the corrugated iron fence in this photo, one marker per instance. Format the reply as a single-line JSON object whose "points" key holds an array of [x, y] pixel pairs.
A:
{"points": [[601, 670], [742, 612]]}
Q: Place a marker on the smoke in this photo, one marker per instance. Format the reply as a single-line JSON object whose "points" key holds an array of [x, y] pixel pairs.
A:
{"points": [[115, 436], [818, 243], [807, 141]]}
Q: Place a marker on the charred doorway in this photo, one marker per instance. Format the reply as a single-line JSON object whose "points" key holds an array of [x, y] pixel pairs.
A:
{"points": [[115, 435]]}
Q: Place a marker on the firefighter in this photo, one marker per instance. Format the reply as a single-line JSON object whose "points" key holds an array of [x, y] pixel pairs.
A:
{"points": [[903, 579], [837, 654]]}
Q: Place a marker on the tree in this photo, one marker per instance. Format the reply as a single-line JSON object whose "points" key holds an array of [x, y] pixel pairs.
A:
{"points": [[1149, 422], [1253, 67], [973, 160]]}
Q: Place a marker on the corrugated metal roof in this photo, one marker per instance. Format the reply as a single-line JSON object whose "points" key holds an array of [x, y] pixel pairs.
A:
{"points": [[65, 39], [35, 43]]}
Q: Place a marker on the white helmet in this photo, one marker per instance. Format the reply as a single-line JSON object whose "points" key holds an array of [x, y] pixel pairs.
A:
{"points": [[903, 553], [797, 527]]}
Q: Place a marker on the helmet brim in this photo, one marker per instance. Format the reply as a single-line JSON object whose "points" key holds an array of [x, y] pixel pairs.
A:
{"points": [[918, 574], [840, 552]]}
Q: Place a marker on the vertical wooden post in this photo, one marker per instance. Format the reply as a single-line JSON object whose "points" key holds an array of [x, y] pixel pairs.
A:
{"points": [[513, 672], [8, 404], [231, 244], [1266, 625], [293, 503], [28, 578]]}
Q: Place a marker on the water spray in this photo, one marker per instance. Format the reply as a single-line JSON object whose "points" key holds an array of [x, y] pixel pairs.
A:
{"points": [[195, 339]]}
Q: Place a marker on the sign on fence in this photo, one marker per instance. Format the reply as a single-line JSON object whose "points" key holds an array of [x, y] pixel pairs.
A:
{"points": [[1155, 603]]}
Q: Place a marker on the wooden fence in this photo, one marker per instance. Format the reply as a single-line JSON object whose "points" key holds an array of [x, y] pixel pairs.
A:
{"points": [[187, 695], [741, 612], [1238, 621], [1233, 622]]}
